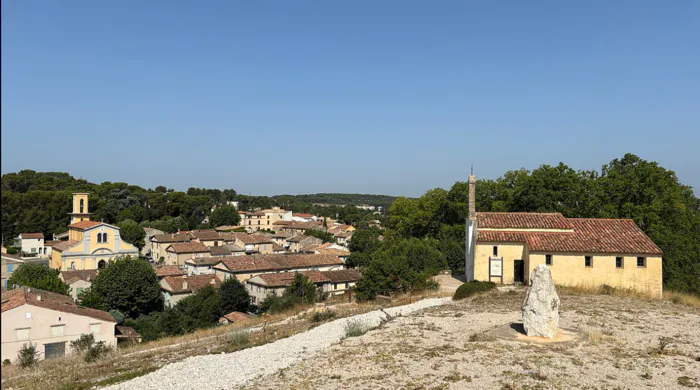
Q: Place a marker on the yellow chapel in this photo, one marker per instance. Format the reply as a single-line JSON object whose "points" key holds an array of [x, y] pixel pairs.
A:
{"points": [[90, 244]]}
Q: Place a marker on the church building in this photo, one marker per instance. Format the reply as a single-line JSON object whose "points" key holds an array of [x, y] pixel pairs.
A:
{"points": [[580, 252], [90, 244]]}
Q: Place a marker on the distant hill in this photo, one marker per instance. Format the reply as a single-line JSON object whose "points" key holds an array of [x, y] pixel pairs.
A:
{"points": [[341, 199]]}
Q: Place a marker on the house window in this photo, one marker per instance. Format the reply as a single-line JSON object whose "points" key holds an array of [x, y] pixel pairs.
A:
{"points": [[495, 250], [618, 262], [104, 237], [57, 330], [9, 268], [589, 261], [548, 259], [94, 328], [82, 205], [335, 286], [23, 334], [641, 262], [99, 237]]}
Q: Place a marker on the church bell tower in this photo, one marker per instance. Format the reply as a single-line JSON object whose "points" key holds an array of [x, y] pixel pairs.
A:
{"points": [[80, 208], [470, 229]]}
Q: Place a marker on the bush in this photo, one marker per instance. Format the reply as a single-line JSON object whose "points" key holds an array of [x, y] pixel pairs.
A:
{"points": [[6, 362], [96, 351], [12, 250], [239, 337], [474, 287], [354, 328], [83, 343], [321, 316], [28, 355]]}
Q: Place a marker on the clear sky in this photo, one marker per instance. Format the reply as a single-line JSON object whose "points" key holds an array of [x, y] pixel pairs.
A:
{"points": [[391, 97]]}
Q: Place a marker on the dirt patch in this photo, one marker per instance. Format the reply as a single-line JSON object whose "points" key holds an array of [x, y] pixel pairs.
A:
{"points": [[620, 343]]}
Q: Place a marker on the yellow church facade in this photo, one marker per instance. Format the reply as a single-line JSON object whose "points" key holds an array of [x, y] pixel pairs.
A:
{"points": [[90, 244]]}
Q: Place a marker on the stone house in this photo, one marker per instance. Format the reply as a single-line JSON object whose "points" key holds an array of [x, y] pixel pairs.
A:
{"points": [[32, 245], [160, 242], [177, 288], [245, 267], [8, 267], [178, 253], [78, 280]]}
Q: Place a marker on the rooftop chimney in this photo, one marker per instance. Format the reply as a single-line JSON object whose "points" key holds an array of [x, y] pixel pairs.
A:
{"points": [[184, 282], [213, 280]]}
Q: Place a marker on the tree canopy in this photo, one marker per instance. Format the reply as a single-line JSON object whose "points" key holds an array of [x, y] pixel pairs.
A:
{"points": [[37, 276], [224, 215], [129, 285], [132, 232]]}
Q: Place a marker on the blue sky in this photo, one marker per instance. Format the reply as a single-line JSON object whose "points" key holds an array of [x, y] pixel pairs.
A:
{"points": [[390, 97]]}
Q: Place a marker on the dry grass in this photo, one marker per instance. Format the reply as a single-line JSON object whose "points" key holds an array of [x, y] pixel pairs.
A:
{"points": [[668, 296], [73, 373]]}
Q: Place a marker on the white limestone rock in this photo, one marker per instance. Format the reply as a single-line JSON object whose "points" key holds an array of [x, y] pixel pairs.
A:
{"points": [[541, 305]]}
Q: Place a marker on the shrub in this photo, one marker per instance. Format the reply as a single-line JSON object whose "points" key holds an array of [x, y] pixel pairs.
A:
{"points": [[321, 316], [6, 362], [474, 287], [354, 328], [28, 355], [239, 337], [96, 351], [83, 343]]}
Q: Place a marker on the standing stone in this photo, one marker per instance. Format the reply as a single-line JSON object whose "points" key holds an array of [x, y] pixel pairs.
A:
{"points": [[541, 305]]}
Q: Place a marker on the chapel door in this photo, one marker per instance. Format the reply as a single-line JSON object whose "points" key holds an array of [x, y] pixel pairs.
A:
{"points": [[518, 271]]}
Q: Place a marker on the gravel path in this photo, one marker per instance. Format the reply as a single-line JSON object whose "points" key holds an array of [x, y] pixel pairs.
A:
{"points": [[227, 371]]}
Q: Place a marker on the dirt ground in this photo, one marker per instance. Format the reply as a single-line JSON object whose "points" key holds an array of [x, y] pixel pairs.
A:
{"points": [[626, 343]]}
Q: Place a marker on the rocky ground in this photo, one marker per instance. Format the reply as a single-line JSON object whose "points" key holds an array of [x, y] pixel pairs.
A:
{"points": [[625, 343]]}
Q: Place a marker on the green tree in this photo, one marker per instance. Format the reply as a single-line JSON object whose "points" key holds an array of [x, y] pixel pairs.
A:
{"points": [[224, 215], [38, 276], [302, 290], [201, 310], [131, 232], [234, 296], [129, 285], [325, 236], [89, 298]]}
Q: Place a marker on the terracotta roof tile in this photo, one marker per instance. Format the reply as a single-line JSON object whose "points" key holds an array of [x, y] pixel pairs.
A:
{"points": [[589, 235], [206, 235], [168, 270], [522, 221], [343, 275], [126, 332], [236, 316], [285, 279], [32, 236], [166, 238], [48, 300], [175, 284], [73, 276], [332, 251], [203, 260], [63, 245], [84, 224], [219, 251], [255, 239], [237, 264], [187, 247]]}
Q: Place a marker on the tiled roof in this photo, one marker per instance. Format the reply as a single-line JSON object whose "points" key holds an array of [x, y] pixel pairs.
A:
{"points": [[309, 248], [205, 235], [219, 251], [277, 247], [63, 245], [165, 238], [590, 235], [236, 316], [332, 251], [168, 270], [175, 284], [203, 260], [298, 238], [12, 258], [596, 236], [32, 236], [84, 224], [343, 275], [342, 235], [285, 279], [48, 300], [188, 247], [73, 276], [255, 239], [277, 262], [302, 215], [282, 223], [126, 332], [225, 228], [299, 225], [522, 221], [234, 248], [282, 234], [51, 242]]}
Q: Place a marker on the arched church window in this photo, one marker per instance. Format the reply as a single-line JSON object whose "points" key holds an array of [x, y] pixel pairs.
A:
{"points": [[82, 205], [104, 237], [99, 237]]}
